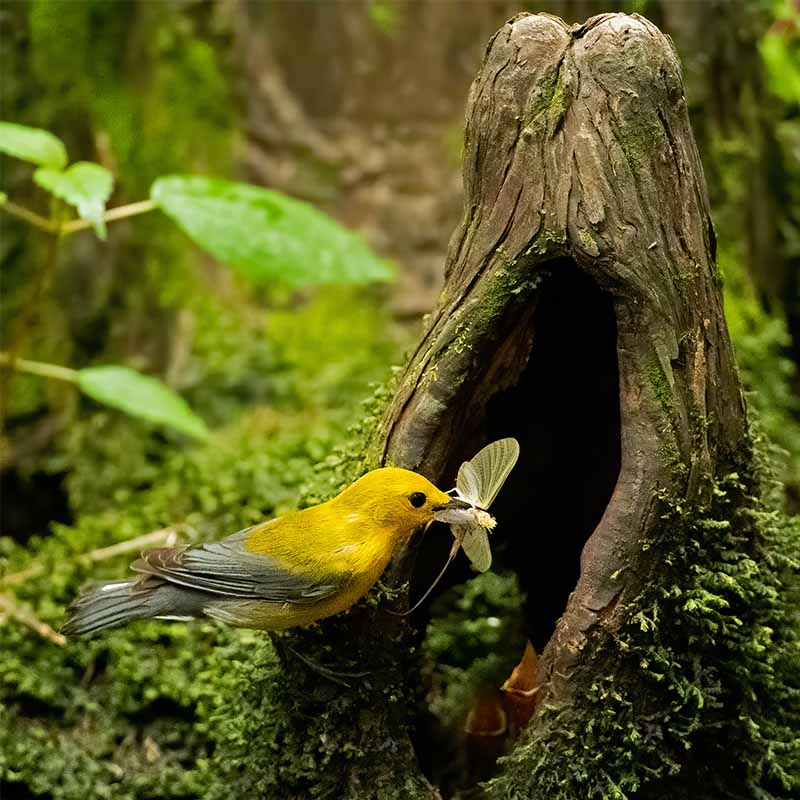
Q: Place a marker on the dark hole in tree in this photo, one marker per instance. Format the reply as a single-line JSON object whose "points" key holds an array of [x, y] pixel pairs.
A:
{"points": [[564, 410], [21, 791]]}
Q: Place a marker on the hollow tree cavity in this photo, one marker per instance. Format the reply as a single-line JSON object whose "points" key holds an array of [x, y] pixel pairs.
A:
{"points": [[581, 313]]}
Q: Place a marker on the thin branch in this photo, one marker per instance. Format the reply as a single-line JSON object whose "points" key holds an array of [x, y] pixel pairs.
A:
{"points": [[13, 610], [55, 371], [163, 536], [31, 217], [121, 212], [75, 225]]}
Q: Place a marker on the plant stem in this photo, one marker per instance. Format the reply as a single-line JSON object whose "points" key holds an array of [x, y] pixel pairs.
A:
{"points": [[31, 217], [39, 368], [121, 212], [75, 225], [166, 537], [31, 309]]}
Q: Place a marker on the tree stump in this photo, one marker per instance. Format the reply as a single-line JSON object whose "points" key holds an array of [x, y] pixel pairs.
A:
{"points": [[581, 313]]}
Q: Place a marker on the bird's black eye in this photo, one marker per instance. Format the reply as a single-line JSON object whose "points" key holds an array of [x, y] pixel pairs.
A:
{"points": [[417, 499]]}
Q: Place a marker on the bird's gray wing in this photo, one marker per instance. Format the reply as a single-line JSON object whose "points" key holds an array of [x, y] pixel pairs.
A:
{"points": [[229, 569]]}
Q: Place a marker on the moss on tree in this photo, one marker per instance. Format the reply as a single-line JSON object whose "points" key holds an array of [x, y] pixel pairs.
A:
{"points": [[704, 701]]}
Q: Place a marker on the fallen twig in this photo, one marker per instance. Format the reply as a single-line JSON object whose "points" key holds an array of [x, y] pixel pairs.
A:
{"points": [[166, 536], [10, 608]]}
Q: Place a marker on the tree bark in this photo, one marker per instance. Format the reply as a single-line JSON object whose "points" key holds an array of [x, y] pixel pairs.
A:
{"points": [[579, 152], [582, 314]]}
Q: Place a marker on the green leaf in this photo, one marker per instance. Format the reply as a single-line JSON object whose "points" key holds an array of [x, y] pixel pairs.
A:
{"points": [[32, 144], [140, 396], [84, 185], [782, 65], [268, 237]]}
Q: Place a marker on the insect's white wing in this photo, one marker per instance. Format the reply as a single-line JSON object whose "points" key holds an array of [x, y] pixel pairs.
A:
{"points": [[476, 546], [468, 484], [491, 466]]}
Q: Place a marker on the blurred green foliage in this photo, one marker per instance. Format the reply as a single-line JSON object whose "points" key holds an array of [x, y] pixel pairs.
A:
{"points": [[269, 237], [763, 150], [761, 341]]}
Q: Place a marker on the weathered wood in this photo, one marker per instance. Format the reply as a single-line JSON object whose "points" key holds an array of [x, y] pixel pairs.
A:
{"points": [[581, 313], [578, 146]]}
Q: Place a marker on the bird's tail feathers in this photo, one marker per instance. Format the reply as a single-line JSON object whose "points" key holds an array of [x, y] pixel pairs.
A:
{"points": [[110, 605]]}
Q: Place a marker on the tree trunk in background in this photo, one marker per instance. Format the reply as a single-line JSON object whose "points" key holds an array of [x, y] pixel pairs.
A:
{"points": [[365, 116], [581, 313]]}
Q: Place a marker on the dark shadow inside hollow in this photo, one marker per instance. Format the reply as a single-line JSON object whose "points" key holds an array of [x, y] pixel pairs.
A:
{"points": [[564, 410]]}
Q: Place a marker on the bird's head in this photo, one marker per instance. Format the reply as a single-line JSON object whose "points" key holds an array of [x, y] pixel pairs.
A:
{"points": [[399, 499]]}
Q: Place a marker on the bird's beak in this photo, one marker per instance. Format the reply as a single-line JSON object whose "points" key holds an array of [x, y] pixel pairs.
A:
{"points": [[453, 511]]}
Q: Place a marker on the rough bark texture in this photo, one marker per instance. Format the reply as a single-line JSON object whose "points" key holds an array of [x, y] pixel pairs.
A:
{"points": [[578, 147], [586, 224]]}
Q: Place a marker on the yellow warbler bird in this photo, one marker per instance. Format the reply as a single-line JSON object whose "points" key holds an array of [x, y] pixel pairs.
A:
{"points": [[288, 571]]}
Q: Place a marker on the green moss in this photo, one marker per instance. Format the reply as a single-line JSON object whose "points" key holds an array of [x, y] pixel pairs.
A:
{"points": [[557, 107], [588, 242], [513, 283], [640, 138], [658, 383], [716, 630], [546, 106], [328, 741], [547, 242]]}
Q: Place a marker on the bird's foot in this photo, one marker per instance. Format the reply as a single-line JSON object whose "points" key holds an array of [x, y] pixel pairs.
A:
{"points": [[332, 675]]}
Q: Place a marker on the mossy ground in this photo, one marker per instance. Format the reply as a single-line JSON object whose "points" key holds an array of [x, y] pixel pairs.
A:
{"points": [[142, 712], [703, 701]]}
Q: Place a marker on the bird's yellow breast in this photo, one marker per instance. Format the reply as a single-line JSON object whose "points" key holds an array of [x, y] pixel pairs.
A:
{"points": [[349, 550], [344, 543]]}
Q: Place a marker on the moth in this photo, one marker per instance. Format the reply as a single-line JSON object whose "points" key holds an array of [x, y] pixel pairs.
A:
{"points": [[478, 483]]}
